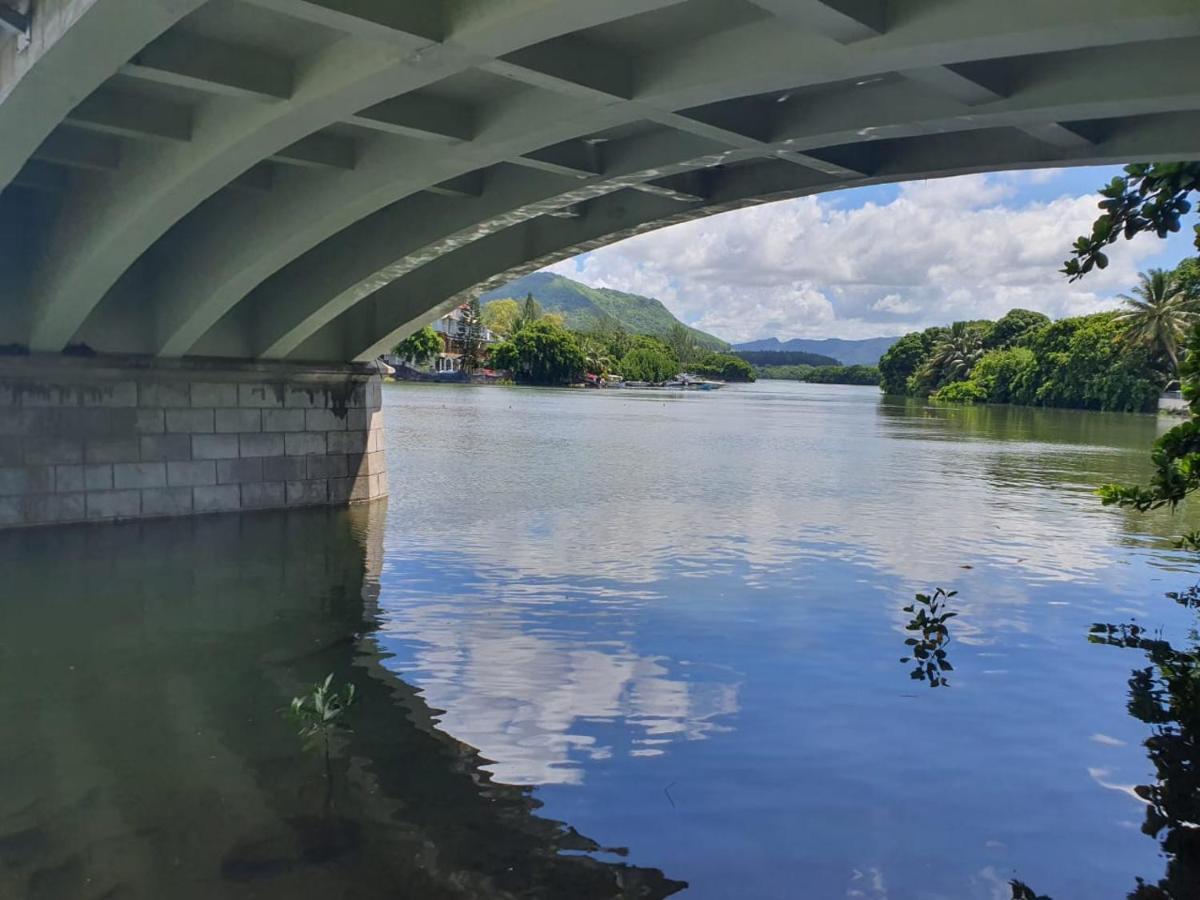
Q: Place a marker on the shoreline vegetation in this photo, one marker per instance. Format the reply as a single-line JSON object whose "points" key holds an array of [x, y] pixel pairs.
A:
{"points": [[1118, 361], [536, 348]]}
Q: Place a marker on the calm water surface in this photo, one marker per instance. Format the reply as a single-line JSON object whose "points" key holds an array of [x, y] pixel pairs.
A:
{"points": [[617, 644]]}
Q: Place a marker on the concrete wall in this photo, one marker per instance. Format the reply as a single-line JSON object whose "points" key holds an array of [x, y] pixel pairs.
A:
{"points": [[103, 439]]}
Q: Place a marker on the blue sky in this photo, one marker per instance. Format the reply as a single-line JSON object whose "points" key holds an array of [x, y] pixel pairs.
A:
{"points": [[880, 260]]}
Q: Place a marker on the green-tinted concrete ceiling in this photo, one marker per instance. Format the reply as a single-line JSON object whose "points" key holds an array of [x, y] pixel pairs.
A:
{"points": [[313, 179]]}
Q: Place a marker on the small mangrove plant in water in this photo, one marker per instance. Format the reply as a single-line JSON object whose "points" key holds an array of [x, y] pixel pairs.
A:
{"points": [[318, 714], [928, 646], [319, 838]]}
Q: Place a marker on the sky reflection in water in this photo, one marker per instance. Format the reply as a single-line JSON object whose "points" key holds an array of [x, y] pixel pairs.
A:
{"points": [[680, 617]]}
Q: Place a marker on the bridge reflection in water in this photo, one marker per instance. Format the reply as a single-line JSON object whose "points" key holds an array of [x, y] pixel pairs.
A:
{"points": [[143, 754]]}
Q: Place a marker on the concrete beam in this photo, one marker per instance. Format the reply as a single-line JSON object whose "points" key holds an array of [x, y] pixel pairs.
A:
{"points": [[80, 150], [465, 186], [343, 270], [133, 116], [420, 117], [108, 227], [410, 25], [847, 162], [368, 329], [845, 21], [42, 176], [570, 66], [15, 22], [256, 180], [73, 48], [576, 158], [321, 151], [212, 67]]}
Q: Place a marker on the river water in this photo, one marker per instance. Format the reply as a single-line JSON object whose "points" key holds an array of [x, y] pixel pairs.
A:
{"points": [[618, 644]]}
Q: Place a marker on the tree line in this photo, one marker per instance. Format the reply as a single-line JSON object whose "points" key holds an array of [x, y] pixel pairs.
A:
{"points": [[1119, 360], [538, 348], [836, 374]]}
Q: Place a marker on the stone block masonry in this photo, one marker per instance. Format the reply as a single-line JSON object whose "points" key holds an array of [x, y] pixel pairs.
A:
{"points": [[103, 439]]}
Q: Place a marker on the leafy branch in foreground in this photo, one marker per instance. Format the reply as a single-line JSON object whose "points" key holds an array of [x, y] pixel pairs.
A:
{"points": [[1148, 197], [929, 648], [1176, 455]]}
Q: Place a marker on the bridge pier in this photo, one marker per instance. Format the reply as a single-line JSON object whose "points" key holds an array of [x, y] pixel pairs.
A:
{"points": [[111, 438]]}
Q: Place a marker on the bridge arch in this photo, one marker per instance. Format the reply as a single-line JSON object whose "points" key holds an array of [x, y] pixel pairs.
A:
{"points": [[308, 180]]}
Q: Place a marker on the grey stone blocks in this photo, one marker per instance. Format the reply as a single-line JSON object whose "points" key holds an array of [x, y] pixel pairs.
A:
{"points": [[90, 439]]}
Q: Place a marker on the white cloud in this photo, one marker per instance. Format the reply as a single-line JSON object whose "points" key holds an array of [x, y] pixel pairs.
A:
{"points": [[939, 250], [894, 303]]}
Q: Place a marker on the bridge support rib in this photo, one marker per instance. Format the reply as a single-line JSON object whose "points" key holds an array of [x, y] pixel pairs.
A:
{"points": [[108, 438]]}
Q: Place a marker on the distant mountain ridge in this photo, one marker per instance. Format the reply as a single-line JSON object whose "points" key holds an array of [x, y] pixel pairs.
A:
{"points": [[588, 309], [864, 352]]}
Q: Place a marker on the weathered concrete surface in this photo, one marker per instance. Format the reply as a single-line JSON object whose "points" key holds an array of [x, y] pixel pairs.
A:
{"points": [[109, 439]]}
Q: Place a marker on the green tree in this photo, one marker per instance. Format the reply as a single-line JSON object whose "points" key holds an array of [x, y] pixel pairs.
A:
{"points": [[1151, 197], [1148, 197], [785, 373], [724, 366], [1007, 376], [649, 364], [1187, 276], [1012, 326], [1159, 314], [616, 340], [501, 316], [471, 338], [683, 343], [595, 353], [842, 375], [952, 357], [541, 353], [1085, 363], [967, 391], [531, 311], [901, 362], [420, 346]]}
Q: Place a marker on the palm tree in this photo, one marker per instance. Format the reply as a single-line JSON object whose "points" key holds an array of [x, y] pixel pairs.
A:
{"points": [[954, 355], [1159, 314]]}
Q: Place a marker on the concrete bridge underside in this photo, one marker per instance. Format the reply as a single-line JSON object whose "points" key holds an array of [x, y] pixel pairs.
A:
{"points": [[310, 180]]}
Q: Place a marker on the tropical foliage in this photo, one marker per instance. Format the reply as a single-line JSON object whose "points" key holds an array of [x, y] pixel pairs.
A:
{"points": [[821, 374], [1159, 313], [501, 316], [531, 311], [1148, 197], [952, 356], [472, 336], [723, 366], [1105, 361], [650, 364], [420, 346], [542, 352]]}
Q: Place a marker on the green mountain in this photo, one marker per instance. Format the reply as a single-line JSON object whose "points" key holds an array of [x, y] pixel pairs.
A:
{"points": [[588, 309]]}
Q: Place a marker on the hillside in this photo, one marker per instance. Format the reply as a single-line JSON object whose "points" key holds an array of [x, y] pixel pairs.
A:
{"points": [[587, 309], [850, 353]]}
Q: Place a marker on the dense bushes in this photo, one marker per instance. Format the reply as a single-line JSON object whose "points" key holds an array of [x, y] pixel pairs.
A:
{"points": [[649, 364], [542, 352], [724, 366], [822, 374], [1085, 362]]}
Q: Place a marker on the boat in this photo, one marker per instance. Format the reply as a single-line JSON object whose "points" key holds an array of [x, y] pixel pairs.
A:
{"points": [[687, 382]]}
